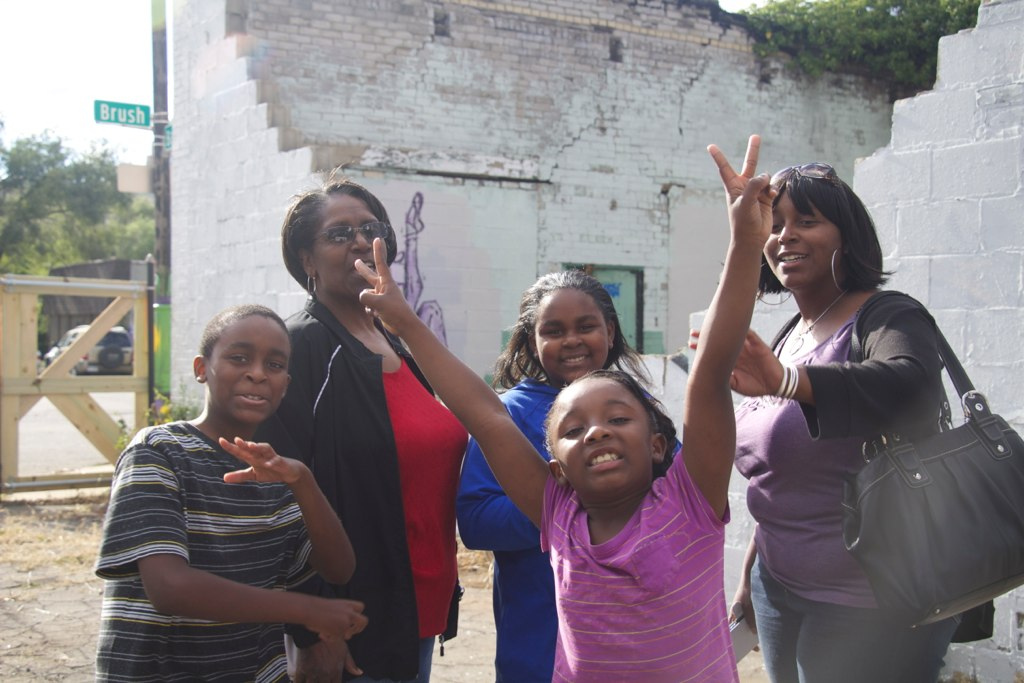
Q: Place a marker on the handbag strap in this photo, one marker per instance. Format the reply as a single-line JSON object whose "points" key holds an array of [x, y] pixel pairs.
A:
{"points": [[974, 404], [954, 369]]}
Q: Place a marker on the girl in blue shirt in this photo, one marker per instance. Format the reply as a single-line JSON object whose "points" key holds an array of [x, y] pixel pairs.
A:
{"points": [[567, 327]]}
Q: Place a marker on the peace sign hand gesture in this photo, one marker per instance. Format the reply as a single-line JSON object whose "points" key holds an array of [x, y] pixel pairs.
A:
{"points": [[749, 197], [385, 298]]}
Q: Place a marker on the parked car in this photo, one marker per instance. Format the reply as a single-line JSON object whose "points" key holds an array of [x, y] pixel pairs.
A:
{"points": [[113, 354]]}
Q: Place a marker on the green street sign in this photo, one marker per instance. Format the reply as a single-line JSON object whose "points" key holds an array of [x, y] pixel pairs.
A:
{"points": [[168, 129], [122, 114]]}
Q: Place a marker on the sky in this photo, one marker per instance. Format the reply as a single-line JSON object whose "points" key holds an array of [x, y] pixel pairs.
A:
{"points": [[57, 57]]}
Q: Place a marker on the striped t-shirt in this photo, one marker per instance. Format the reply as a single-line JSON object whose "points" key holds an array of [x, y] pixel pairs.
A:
{"points": [[169, 497], [649, 604]]}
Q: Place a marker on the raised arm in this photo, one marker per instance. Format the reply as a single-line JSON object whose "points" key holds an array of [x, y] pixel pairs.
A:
{"points": [[520, 470], [709, 425]]}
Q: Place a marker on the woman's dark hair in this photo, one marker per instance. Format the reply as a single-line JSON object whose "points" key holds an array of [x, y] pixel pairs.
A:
{"points": [[661, 423], [229, 316], [861, 254], [518, 360], [305, 213]]}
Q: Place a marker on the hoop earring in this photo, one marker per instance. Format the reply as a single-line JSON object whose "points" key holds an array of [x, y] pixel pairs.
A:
{"points": [[311, 286], [832, 262]]}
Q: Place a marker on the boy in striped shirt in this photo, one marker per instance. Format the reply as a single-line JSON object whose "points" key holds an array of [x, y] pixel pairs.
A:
{"points": [[197, 552]]}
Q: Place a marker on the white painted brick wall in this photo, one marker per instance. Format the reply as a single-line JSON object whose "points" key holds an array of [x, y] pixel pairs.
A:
{"points": [[893, 175], [949, 226], [949, 191], [910, 130], [528, 89], [1000, 222], [967, 170], [967, 62]]}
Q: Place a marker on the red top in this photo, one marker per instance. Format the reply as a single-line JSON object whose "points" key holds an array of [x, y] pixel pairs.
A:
{"points": [[430, 443]]}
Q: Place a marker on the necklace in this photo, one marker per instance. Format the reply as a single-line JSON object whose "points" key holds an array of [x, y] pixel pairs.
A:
{"points": [[798, 343]]}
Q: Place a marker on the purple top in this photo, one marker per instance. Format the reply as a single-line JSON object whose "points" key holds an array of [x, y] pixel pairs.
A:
{"points": [[647, 605], [796, 491]]}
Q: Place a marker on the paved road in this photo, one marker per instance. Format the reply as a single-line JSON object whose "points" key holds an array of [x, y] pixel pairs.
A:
{"points": [[47, 441]]}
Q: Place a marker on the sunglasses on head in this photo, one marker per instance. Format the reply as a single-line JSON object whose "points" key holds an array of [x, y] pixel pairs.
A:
{"points": [[816, 169], [343, 234]]}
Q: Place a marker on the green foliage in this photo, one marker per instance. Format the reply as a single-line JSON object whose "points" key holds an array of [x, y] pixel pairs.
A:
{"points": [[127, 232], [161, 412], [59, 207], [164, 410], [894, 41]]}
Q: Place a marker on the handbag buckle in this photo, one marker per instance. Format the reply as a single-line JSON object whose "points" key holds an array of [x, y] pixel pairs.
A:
{"points": [[870, 449], [985, 424], [973, 405], [945, 416], [907, 462]]}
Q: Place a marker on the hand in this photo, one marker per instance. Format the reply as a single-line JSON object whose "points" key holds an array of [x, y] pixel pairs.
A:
{"points": [[743, 601], [749, 196], [324, 661], [385, 298], [264, 463], [757, 372], [338, 619]]}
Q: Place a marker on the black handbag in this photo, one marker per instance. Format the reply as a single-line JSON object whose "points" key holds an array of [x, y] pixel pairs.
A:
{"points": [[937, 524]]}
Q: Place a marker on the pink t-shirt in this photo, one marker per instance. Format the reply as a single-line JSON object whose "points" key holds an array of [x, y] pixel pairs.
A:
{"points": [[648, 605]]}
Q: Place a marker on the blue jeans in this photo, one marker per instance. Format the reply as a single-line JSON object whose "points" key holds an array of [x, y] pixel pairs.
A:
{"points": [[426, 659], [803, 641]]}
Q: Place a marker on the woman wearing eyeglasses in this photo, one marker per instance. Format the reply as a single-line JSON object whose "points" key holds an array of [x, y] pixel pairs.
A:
{"points": [[385, 452], [800, 435]]}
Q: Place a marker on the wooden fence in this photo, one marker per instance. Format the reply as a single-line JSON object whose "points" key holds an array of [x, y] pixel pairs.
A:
{"points": [[23, 382]]}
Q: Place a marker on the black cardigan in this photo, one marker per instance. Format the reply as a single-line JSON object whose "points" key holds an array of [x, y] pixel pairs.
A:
{"points": [[334, 418], [896, 386]]}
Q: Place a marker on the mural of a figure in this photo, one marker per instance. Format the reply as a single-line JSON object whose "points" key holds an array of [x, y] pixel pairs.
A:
{"points": [[428, 311]]}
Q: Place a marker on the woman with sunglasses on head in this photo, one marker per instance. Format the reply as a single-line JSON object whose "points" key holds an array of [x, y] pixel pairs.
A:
{"points": [[800, 435], [385, 452]]}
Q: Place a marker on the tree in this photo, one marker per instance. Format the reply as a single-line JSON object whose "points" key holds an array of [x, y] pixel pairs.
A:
{"points": [[894, 41], [58, 207], [126, 233]]}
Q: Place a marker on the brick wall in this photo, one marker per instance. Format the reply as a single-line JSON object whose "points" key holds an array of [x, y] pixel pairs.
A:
{"points": [[948, 199], [598, 111]]}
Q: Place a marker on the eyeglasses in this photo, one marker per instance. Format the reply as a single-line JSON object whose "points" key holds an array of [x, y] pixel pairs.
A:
{"points": [[343, 234], [816, 169]]}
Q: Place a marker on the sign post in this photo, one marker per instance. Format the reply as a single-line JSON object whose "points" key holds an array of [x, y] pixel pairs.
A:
{"points": [[122, 114]]}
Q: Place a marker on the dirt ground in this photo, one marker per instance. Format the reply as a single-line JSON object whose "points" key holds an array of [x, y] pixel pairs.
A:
{"points": [[50, 598]]}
